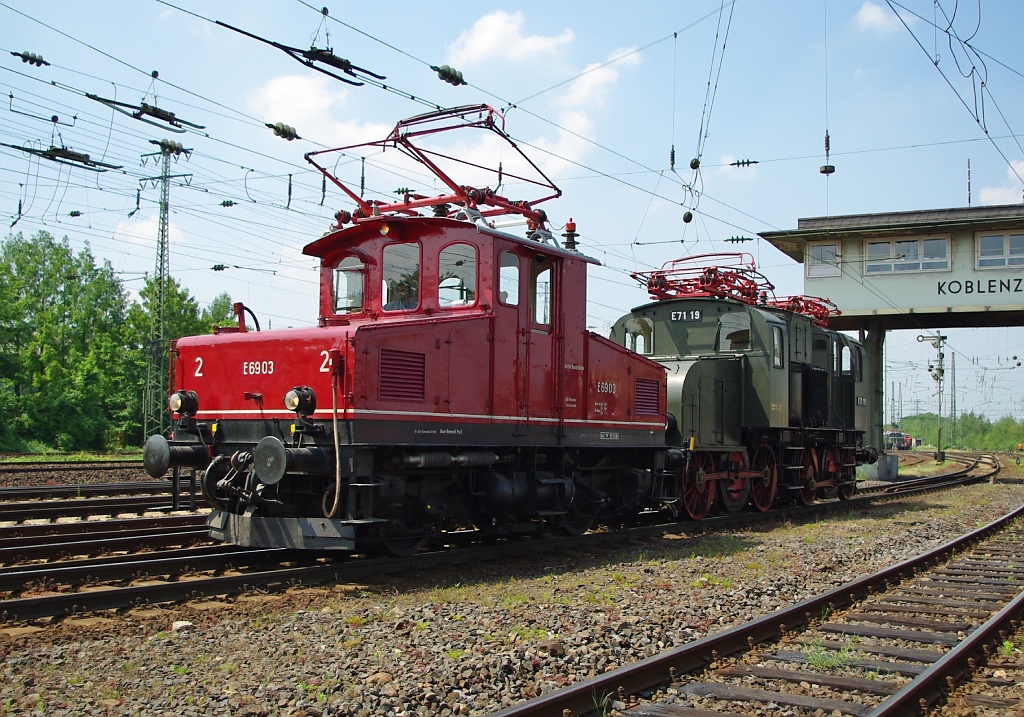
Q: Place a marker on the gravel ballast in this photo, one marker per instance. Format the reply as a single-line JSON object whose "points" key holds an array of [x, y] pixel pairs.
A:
{"points": [[463, 641]]}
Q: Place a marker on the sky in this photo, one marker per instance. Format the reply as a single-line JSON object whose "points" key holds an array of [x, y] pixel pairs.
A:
{"points": [[596, 93]]}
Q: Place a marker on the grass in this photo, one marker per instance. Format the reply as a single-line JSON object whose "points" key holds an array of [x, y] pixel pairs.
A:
{"points": [[707, 579], [51, 455], [822, 659]]}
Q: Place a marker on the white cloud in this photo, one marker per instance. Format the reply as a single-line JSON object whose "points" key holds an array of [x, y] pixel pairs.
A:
{"points": [[587, 93], [1011, 194], [307, 103], [498, 34], [877, 19]]}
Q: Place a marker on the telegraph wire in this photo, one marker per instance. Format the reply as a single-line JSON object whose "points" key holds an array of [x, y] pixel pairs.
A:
{"points": [[977, 115]]}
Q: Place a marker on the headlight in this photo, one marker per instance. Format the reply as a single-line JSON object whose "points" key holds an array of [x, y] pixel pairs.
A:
{"points": [[184, 402], [300, 399]]}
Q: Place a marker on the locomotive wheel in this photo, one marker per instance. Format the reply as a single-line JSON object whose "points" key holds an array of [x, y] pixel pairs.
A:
{"points": [[575, 522], [848, 476], [697, 491], [762, 490], [829, 467], [733, 493], [808, 476]]}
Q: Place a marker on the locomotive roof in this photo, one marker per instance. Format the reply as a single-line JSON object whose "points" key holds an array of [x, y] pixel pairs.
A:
{"points": [[339, 238]]}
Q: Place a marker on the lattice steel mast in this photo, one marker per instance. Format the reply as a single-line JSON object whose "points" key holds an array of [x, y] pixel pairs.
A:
{"points": [[155, 416]]}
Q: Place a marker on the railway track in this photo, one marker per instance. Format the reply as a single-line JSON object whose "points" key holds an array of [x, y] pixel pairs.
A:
{"points": [[205, 572], [891, 643]]}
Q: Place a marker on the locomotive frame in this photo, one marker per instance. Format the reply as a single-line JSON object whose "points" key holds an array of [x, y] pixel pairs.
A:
{"points": [[451, 386]]}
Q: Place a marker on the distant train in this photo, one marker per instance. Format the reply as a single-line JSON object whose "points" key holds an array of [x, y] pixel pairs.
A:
{"points": [[451, 386], [898, 441]]}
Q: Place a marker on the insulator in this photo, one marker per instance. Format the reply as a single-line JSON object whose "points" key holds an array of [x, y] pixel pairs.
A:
{"points": [[227, 203], [403, 190], [827, 143], [672, 158], [694, 163], [449, 75], [218, 267], [284, 131], [743, 162], [168, 146], [31, 58], [343, 217], [74, 213]]}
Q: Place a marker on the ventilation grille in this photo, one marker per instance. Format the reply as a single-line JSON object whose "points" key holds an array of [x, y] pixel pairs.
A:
{"points": [[402, 375], [646, 397]]}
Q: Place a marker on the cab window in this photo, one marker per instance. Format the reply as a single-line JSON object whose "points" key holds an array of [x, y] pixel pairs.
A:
{"points": [[456, 270], [734, 331], [639, 332], [401, 277], [348, 285], [540, 291], [778, 348], [508, 278]]}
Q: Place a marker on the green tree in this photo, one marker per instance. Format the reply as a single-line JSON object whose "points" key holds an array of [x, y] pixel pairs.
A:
{"points": [[61, 340]]}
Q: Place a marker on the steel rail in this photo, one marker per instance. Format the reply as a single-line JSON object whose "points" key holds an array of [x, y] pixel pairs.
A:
{"points": [[97, 537], [170, 562], [955, 664], [147, 539], [92, 527], [16, 493], [87, 563], [653, 671], [350, 569], [32, 510]]}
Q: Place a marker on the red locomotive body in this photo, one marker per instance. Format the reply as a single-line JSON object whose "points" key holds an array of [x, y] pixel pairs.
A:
{"points": [[450, 383]]}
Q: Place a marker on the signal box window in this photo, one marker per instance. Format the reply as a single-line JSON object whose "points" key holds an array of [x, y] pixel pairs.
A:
{"points": [[456, 270], [639, 332], [907, 255], [400, 288], [508, 278], [823, 259], [348, 286], [540, 291], [1000, 250]]}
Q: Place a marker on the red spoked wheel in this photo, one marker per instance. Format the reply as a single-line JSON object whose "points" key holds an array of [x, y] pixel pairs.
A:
{"points": [[808, 476], [763, 489], [829, 467], [846, 490], [698, 493], [848, 480]]}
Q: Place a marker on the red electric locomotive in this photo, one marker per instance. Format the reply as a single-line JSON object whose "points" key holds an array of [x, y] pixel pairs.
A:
{"points": [[450, 384]]}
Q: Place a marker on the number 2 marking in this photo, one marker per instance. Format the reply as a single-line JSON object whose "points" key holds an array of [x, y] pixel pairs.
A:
{"points": [[324, 368], [199, 366]]}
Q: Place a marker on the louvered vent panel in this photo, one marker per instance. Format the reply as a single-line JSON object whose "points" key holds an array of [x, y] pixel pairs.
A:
{"points": [[402, 375], [646, 397]]}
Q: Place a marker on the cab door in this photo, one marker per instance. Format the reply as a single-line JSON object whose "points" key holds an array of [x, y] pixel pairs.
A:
{"points": [[540, 341]]}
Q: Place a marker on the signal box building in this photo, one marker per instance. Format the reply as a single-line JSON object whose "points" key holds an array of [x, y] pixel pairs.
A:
{"points": [[933, 269]]}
